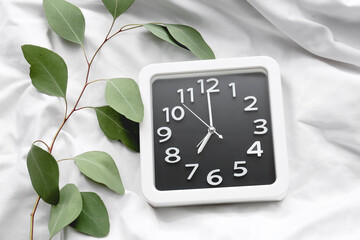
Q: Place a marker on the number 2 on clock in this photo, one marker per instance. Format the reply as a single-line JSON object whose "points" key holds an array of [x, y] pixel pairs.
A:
{"points": [[251, 106]]}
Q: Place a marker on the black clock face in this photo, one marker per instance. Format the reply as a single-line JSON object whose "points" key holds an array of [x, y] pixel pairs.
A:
{"points": [[212, 131]]}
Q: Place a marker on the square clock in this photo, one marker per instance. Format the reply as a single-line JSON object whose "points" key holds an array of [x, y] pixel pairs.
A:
{"points": [[213, 132]]}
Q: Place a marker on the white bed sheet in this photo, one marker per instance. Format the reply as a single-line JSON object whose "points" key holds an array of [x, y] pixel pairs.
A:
{"points": [[317, 46]]}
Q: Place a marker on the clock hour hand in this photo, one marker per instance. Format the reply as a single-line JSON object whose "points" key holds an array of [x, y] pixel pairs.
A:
{"points": [[201, 141], [204, 141], [219, 135]]}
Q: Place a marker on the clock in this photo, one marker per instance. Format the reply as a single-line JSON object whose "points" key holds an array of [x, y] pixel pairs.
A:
{"points": [[213, 132]]}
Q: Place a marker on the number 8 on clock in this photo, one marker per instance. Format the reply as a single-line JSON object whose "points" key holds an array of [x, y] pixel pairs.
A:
{"points": [[213, 132]]}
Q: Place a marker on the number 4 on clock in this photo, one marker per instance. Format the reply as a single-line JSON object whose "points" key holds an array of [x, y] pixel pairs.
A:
{"points": [[255, 149]]}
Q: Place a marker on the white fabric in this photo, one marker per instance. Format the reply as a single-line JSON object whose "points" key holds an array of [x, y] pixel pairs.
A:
{"points": [[317, 46]]}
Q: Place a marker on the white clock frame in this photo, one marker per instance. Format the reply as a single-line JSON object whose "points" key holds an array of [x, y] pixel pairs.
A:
{"points": [[271, 192]]}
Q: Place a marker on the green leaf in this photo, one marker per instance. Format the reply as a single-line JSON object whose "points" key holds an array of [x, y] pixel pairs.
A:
{"points": [[67, 210], [123, 95], [65, 19], [93, 219], [117, 127], [44, 174], [48, 71], [100, 167], [117, 7], [163, 33], [191, 39]]}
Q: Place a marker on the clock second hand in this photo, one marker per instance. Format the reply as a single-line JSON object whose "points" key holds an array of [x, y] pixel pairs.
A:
{"points": [[219, 135]]}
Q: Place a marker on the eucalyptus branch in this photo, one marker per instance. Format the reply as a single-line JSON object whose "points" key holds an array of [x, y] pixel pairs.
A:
{"points": [[83, 89], [88, 73], [115, 122], [66, 118]]}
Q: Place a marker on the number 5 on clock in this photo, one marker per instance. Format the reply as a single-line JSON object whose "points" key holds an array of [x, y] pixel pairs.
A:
{"points": [[243, 170]]}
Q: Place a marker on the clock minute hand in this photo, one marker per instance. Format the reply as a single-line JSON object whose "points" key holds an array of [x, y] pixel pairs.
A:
{"points": [[210, 109], [219, 135]]}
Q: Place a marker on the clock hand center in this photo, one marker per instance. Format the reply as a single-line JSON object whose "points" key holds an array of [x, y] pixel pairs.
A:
{"points": [[210, 130], [201, 145]]}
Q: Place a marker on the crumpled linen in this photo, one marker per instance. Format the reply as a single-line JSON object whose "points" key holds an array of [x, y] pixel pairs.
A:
{"points": [[316, 44]]}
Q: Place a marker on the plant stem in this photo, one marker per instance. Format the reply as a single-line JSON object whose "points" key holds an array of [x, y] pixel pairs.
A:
{"points": [[97, 80], [32, 216], [41, 141], [67, 116], [64, 159], [81, 108], [123, 29], [111, 27], [86, 58], [83, 89], [102, 44]]}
